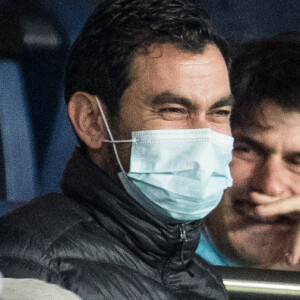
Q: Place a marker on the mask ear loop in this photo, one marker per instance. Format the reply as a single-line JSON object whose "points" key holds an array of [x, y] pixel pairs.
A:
{"points": [[111, 136]]}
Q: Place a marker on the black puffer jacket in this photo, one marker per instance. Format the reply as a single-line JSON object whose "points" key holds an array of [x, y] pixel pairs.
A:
{"points": [[100, 243]]}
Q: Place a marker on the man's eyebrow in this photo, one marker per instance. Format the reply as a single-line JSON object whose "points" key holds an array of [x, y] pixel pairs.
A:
{"points": [[167, 97], [256, 145], [260, 147], [224, 101]]}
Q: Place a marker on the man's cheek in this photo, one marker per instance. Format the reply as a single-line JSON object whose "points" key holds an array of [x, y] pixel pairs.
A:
{"points": [[241, 172]]}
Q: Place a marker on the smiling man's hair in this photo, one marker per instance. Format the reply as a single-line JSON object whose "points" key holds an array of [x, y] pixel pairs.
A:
{"points": [[265, 70]]}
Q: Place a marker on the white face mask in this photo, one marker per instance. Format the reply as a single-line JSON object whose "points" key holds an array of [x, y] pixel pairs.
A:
{"points": [[177, 174]]}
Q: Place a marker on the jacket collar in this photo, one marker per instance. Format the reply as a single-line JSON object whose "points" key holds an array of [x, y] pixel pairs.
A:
{"points": [[150, 238]]}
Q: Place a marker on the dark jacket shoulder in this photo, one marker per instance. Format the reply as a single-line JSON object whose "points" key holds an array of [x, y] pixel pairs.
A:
{"points": [[44, 219]]}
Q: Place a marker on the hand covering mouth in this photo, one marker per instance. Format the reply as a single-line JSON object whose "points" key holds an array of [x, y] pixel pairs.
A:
{"points": [[246, 208]]}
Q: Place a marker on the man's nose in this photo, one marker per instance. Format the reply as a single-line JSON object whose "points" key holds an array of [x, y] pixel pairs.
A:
{"points": [[269, 177], [199, 121]]}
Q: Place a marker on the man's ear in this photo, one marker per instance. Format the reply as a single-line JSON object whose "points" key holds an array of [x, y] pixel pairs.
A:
{"points": [[86, 119]]}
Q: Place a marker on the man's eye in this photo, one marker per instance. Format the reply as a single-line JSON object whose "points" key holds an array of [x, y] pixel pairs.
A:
{"points": [[223, 112], [244, 149], [172, 110], [173, 113], [220, 115], [293, 163], [245, 152]]}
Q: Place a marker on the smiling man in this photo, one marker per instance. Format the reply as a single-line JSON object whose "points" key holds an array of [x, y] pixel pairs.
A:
{"points": [[257, 222], [148, 95]]}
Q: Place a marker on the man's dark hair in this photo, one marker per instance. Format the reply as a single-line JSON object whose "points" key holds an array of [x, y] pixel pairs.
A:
{"points": [[261, 70], [100, 59]]}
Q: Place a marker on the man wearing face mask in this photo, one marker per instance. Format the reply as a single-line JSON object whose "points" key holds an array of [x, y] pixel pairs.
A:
{"points": [[148, 95]]}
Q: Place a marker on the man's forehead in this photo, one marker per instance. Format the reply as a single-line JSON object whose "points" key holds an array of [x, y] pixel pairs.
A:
{"points": [[159, 55], [269, 115], [266, 116], [186, 73], [273, 129]]}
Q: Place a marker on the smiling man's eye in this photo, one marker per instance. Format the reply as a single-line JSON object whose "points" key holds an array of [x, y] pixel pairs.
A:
{"points": [[242, 148], [245, 151], [293, 162]]}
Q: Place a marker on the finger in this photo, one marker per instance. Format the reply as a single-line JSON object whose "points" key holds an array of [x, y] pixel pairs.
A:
{"points": [[289, 206], [259, 198]]}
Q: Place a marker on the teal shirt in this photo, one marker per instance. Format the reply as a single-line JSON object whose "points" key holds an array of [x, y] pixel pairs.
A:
{"points": [[209, 252]]}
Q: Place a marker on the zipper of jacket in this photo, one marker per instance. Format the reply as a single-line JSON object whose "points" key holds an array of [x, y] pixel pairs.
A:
{"points": [[182, 233], [183, 240]]}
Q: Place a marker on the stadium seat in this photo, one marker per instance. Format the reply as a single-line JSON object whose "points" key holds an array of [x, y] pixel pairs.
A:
{"points": [[20, 182], [20, 35], [71, 16]]}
